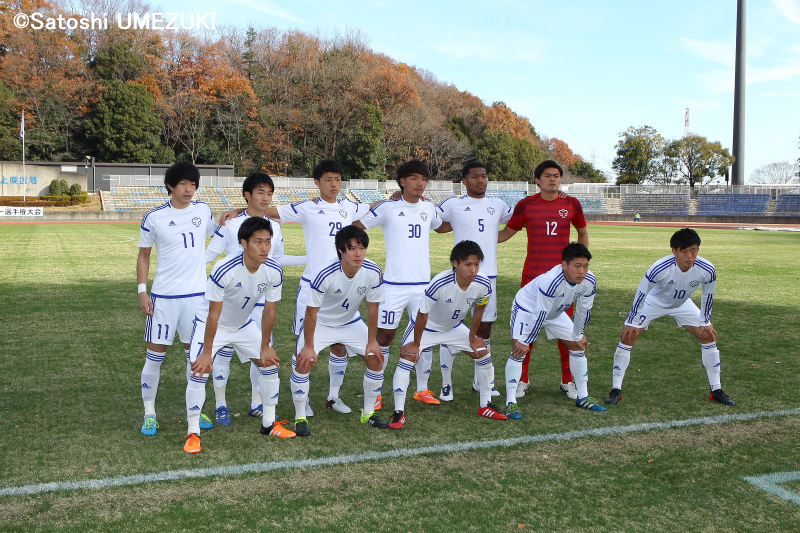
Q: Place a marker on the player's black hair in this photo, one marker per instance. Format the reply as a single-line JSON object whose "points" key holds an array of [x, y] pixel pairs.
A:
{"points": [[415, 166], [574, 250], [346, 236], [684, 238], [326, 165], [464, 249], [182, 170], [252, 225], [541, 167], [469, 165], [255, 179]]}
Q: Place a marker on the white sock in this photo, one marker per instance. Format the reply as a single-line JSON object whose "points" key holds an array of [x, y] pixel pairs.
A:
{"points": [[484, 365], [268, 386], [151, 374], [580, 372], [299, 386], [622, 358], [712, 364], [221, 371], [513, 373], [446, 360], [188, 354], [255, 384], [373, 382], [402, 377], [337, 366], [195, 398], [475, 367], [385, 352], [424, 368]]}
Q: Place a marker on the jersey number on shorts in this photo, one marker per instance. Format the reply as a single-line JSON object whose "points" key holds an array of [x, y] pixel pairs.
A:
{"points": [[388, 317], [166, 331], [550, 228]]}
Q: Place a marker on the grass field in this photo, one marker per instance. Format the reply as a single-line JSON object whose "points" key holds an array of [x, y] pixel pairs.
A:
{"points": [[71, 354]]}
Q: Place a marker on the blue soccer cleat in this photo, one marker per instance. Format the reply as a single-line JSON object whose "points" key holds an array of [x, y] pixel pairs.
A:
{"points": [[205, 422], [256, 411], [589, 403], [222, 416], [149, 426], [512, 411]]}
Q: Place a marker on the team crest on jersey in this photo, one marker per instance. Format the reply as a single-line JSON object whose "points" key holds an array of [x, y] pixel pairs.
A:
{"points": [[361, 290], [490, 210], [343, 213], [423, 216], [470, 301], [563, 213], [694, 283], [262, 287], [196, 221]]}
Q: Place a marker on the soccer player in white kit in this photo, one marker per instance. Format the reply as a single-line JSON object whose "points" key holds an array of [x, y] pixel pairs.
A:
{"points": [[257, 190], [332, 318], [666, 290], [224, 319], [542, 303], [406, 224], [476, 217], [178, 229], [448, 298]]}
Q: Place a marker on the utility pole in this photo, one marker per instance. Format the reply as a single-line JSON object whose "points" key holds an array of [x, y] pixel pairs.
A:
{"points": [[737, 173]]}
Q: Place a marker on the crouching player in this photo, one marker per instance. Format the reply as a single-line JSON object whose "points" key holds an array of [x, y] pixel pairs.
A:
{"points": [[543, 303], [332, 318], [223, 319], [666, 290], [448, 298]]}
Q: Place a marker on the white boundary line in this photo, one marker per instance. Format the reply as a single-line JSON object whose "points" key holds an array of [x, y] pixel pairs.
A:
{"points": [[120, 481], [769, 483]]}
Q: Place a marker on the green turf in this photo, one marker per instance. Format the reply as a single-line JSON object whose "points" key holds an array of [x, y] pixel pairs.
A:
{"points": [[72, 353]]}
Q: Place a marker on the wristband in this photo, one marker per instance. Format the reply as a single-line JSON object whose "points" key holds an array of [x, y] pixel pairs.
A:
{"points": [[142, 288]]}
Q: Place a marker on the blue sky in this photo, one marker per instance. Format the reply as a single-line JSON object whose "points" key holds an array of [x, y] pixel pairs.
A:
{"points": [[582, 71]]}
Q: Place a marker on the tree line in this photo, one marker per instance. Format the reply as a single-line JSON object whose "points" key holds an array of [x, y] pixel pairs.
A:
{"points": [[259, 99]]}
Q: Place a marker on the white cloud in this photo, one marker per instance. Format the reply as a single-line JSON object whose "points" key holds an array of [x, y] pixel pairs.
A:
{"points": [[509, 49], [722, 53], [789, 9], [269, 9]]}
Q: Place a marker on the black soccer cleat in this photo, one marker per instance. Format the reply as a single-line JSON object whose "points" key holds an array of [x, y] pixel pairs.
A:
{"points": [[375, 421], [613, 397], [721, 397], [301, 427]]}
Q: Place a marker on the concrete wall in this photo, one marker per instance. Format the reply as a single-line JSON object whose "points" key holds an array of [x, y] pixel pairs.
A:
{"points": [[37, 178]]}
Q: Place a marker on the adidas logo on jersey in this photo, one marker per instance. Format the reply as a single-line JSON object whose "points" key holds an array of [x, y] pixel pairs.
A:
{"points": [[321, 212], [467, 209], [195, 408], [671, 282], [338, 291], [401, 214], [171, 223], [237, 285], [448, 301], [145, 386]]}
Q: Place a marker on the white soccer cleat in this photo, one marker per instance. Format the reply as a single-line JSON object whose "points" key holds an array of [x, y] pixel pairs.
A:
{"points": [[570, 390], [309, 411], [338, 405], [522, 388]]}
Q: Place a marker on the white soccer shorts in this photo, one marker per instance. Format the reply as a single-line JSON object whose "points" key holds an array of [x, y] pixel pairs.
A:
{"points": [[354, 336], [171, 315], [246, 340], [687, 314], [457, 338], [300, 301], [523, 324], [395, 299]]}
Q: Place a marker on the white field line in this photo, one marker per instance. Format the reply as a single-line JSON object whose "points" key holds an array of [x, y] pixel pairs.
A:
{"points": [[119, 481], [769, 483]]}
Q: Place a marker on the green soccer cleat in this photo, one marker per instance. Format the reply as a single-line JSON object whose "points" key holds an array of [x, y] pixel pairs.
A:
{"points": [[589, 403], [149, 426]]}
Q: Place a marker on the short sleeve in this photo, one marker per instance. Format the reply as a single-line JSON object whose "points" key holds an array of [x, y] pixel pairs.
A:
{"points": [[517, 220], [578, 220], [211, 227], [274, 285], [147, 232], [507, 212], [214, 290], [436, 221], [295, 212], [375, 217]]}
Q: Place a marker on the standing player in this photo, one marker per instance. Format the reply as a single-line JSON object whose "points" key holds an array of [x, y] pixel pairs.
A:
{"points": [[542, 303], [475, 216], [332, 318], [666, 290], [257, 190], [448, 298], [406, 224], [547, 217], [178, 229], [224, 319]]}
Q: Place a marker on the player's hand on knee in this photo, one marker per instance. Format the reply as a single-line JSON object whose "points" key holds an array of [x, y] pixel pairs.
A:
{"points": [[373, 348], [628, 335], [478, 346], [518, 349], [582, 343], [306, 359], [410, 352], [202, 365], [707, 334], [145, 304], [269, 357]]}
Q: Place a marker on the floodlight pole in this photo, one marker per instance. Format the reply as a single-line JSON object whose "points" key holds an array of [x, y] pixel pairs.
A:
{"points": [[737, 173]]}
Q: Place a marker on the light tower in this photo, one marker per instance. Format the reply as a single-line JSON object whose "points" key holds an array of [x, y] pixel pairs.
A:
{"points": [[737, 173]]}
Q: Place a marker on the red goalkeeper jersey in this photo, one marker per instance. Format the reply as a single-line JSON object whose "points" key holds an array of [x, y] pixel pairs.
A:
{"points": [[548, 229]]}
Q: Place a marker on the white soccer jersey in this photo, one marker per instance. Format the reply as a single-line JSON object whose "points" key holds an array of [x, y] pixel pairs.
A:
{"points": [[239, 289], [447, 304], [226, 239], [550, 294], [179, 236], [321, 222], [338, 296], [665, 286], [478, 220], [406, 233]]}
